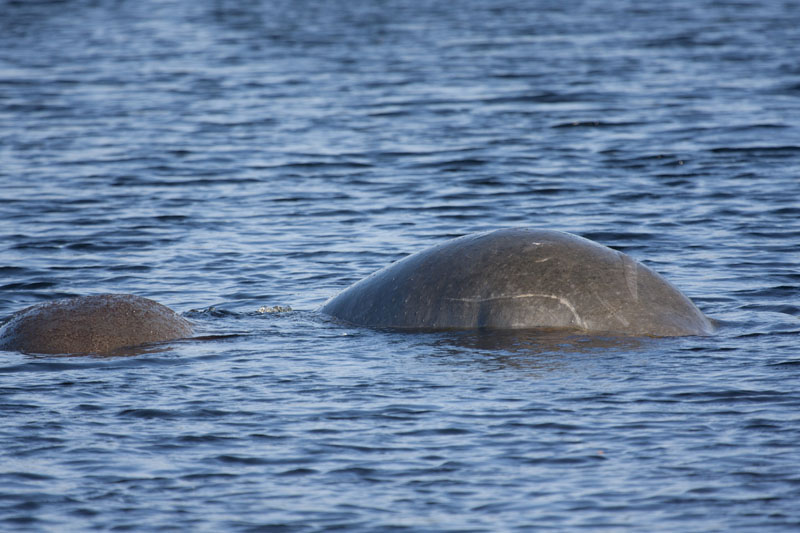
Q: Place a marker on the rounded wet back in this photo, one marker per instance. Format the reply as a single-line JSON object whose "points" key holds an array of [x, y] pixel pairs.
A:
{"points": [[92, 324], [520, 278]]}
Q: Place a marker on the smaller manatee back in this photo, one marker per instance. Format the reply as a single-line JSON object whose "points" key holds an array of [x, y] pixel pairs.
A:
{"points": [[97, 324]]}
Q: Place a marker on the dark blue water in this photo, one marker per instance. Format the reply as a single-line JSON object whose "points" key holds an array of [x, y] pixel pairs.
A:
{"points": [[233, 159]]}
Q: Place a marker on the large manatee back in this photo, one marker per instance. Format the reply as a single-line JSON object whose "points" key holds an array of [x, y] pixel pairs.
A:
{"points": [[520, 278], [92, 324]]}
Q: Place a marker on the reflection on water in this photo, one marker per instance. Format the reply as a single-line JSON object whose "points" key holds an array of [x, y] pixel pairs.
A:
{"points": [[540, 350], [538, 341]]}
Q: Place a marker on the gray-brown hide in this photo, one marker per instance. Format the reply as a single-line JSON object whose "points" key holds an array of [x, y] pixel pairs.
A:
{"points": [[520, 278], [92, 324]]}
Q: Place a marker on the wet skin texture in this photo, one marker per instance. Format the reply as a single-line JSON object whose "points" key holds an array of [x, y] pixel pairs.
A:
{"points": [[92, 324], [520, 278]]}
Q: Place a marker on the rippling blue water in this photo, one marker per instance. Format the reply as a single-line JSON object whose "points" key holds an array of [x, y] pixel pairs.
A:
{"points": [[225, 158]]}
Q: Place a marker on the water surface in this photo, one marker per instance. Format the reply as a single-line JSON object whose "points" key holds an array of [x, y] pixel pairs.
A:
{"points": [[231, 158]]}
